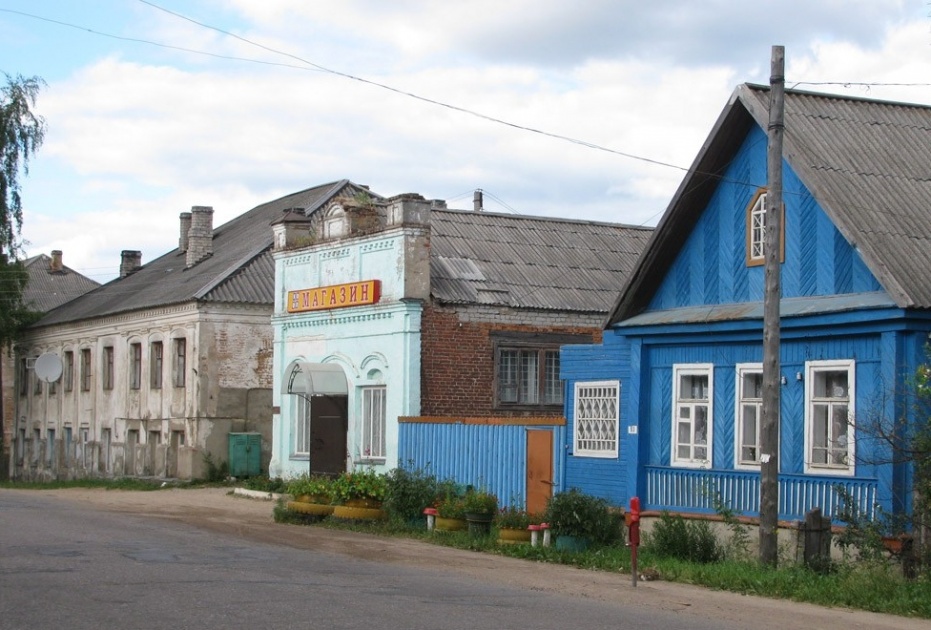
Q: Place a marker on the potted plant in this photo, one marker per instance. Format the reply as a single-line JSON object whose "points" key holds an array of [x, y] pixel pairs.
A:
{"points": [[512, 523], [311, 489], [577, 519], [360, 488], [480, 508], [450, 508], [312, 495], [359, 495]]}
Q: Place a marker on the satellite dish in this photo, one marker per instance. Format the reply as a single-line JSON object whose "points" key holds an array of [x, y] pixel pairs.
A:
{"points": [[48, 367]]}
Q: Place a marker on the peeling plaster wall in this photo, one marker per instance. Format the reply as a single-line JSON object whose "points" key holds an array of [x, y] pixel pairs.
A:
{"points": [[227, 387]]}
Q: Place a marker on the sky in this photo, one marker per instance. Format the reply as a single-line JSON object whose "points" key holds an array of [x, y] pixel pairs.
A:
{"points": [[591, 109]]}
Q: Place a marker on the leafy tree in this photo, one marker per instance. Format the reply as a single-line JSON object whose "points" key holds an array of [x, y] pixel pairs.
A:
{"points": [[21, 134]]}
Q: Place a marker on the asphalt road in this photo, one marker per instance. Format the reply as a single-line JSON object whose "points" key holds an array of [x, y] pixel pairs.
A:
{"points": [[71, 566]]}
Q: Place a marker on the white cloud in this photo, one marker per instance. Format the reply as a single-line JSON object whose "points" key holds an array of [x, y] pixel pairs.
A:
{"points": [[139, 140]]}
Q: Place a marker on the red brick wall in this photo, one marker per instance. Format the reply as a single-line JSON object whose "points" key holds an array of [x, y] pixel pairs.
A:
{"points": [[458, 362]]}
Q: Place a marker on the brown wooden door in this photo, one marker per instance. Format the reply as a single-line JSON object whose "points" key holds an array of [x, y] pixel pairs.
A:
{"points": [[328, 427], [539, 469]]}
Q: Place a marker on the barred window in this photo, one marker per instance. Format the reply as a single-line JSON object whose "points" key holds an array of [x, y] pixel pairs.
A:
{"points": [[529, 376], [597, 418]]}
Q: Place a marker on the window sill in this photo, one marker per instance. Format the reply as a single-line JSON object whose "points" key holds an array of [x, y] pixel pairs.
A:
{"points": [[371, 461]]}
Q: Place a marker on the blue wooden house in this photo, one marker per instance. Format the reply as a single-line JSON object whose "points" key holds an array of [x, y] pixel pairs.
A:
{"points": [[668, 407]]}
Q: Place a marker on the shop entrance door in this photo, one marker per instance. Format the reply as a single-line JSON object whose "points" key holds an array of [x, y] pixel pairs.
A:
{"points": [[329, 423]]}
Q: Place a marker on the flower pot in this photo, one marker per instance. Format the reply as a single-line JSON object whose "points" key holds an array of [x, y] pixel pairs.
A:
{"points": [[509, 536], [573, 544], [358, 513], [371, 504], [313, 498], [311, 509], [450, 524], [479, 524]]}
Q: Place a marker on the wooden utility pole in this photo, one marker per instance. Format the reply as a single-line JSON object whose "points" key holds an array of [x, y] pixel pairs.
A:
{"points": [[772, 248]]}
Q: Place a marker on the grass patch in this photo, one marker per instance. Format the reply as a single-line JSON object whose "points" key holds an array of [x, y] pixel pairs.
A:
{"points": [[875, 587]]}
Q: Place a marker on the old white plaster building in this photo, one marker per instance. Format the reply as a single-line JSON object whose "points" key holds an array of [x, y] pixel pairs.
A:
{"points": [[160, 365], [50, 283]]}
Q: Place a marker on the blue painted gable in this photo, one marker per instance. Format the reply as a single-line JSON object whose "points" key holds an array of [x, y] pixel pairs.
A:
{"points": [[711, 268]]}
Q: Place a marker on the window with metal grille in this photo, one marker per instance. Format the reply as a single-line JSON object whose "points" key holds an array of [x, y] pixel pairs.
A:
{"points": [[373, 422], [135, 365], [597, 418], [529, 377], [749, 413], [829, 406], [692, 415], [300, 425]]}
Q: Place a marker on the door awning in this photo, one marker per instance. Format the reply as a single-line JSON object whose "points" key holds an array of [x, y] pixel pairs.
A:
{"points": [[314, 379]]}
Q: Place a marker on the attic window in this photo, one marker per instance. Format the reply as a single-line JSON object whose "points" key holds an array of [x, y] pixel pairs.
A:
{"points": [[756, 230]]}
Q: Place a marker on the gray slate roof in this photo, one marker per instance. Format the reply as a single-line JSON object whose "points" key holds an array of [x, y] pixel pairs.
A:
{"points": [[530, 262], [867, 163], [47, 289], [240, 270], [476, 257]]}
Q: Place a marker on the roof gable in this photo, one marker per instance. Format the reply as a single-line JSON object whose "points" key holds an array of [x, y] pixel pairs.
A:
{"points": [[866, 164]]}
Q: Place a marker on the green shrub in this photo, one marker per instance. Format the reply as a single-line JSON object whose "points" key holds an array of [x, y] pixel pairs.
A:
{"points": [[693, 540], [408, 492], [574, 513]]}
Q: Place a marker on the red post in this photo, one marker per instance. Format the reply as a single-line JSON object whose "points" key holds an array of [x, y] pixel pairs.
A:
{"points": [[633, 531]]}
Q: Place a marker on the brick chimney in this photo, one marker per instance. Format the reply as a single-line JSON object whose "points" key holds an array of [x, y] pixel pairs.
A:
{"points": [[478, 201], [130, 260], [185, 228], [55, 265], [200, 236]]}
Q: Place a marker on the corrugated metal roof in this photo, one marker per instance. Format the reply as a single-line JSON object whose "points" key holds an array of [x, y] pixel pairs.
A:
{"points": [[47, 289], [530, 262], [867, 163], [476, 258], [239, 270]]}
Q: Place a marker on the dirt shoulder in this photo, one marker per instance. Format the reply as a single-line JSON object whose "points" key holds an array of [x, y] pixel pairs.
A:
{"points": [[216, 509]]}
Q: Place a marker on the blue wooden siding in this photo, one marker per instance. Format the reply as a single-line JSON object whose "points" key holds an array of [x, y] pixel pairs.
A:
{"points": [[493, 457], [711, 268], [601, 477]]}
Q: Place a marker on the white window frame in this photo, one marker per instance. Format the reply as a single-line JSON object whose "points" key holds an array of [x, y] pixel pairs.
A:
{"points": [[812, 370], [300, 426], [756, 229], [597, 419], [692, 369], [740, 403], [374, 423]]}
